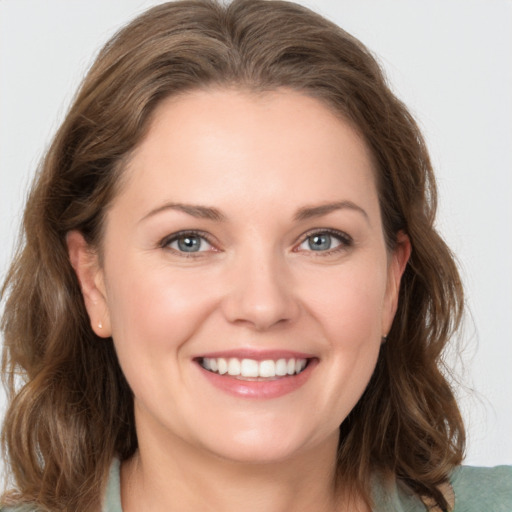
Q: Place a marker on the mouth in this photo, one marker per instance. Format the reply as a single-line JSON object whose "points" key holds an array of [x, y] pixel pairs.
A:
{"points": [[257, 375], [252, 369]]}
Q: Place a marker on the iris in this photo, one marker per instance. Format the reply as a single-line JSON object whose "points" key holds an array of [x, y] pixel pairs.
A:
{"points": [[319, 242]]}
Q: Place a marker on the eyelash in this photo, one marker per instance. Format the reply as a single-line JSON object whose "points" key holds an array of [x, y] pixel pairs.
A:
{"points": [[345, 240], [168, 240]]}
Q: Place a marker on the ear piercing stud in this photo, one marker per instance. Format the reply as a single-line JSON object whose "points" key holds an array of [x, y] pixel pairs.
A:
{"points": [[100, 325]]}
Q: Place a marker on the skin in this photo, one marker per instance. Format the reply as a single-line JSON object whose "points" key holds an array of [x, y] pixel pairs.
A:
{"points": [[256, 284]]}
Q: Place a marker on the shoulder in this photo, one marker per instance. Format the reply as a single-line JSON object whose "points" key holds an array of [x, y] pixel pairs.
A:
{"points": [[478, 489], [111, 499]]}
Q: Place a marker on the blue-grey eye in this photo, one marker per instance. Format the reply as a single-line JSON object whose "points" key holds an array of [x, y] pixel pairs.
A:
{"points": [[189, 243], [320, 242], [323, 241]]}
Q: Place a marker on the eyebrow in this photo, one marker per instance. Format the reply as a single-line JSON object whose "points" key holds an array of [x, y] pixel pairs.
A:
{"points": [[210, 213], [198, 211], [309, 212]]}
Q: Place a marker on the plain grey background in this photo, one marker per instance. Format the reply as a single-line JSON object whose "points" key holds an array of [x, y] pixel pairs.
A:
{"points": [[449, 60]]}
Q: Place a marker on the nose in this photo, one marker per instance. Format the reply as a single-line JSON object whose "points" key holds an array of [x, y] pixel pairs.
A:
{"points": [[260, 293]]}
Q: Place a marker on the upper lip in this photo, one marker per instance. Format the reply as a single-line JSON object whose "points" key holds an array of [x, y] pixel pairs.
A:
{"points": [[257, 355]]}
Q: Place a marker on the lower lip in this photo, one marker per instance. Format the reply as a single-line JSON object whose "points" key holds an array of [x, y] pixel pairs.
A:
{"points": [[263, 389]]}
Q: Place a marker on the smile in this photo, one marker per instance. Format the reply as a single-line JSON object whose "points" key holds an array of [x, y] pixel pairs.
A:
{"points": [[257, 374], [253, 369]]}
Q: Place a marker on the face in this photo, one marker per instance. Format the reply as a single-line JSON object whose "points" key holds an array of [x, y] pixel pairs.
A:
{"points": [[244, 278]]}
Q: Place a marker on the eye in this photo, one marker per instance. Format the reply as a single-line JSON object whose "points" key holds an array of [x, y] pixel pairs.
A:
{"points": [[187, 242], [325, 241]]}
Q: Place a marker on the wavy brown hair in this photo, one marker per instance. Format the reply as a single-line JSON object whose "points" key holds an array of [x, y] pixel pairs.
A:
{"points": [[70, 409]]}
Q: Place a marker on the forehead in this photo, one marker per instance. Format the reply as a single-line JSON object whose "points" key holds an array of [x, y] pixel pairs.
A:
{"points": [[223, 145]]}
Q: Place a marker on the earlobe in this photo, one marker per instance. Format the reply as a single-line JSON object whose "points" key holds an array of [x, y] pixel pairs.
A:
{"points": [[396, 268], [84, 261]]}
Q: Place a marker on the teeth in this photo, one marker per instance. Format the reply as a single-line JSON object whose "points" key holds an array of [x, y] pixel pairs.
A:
{"points": [[267, 368], [251, 368], [222, 365], [281, 367], [234, 367]]}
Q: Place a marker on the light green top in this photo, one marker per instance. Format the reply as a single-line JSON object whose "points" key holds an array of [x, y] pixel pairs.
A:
{"points": [[476, 490]]}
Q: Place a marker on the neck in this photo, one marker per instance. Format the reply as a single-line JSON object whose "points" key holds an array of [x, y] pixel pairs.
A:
{"points": [[186, 479]]}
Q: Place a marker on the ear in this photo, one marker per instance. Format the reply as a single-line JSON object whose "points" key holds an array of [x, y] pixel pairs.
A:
{"points": [[396, 266], [84, 261]]}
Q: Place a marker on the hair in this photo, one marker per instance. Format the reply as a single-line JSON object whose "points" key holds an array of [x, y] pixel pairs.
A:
{"points": [[70, 408]]}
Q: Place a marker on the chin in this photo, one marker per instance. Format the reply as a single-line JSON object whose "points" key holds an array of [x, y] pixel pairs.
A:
{"points": [[251, 454], [262, 447]]}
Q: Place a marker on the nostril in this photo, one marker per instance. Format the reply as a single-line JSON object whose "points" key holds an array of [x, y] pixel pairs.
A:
{"points": [[260, 312]]}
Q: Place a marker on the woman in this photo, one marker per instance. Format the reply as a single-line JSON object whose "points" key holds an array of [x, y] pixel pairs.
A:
{"points": [[231, 294]]}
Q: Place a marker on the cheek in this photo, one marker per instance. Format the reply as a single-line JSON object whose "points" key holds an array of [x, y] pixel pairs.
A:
{"points": [[348, 308], [349, 302], [155, 308]]}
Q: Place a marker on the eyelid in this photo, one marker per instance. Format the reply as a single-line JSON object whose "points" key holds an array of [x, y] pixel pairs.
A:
{"points": [[345, 240], [167, 240]]}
